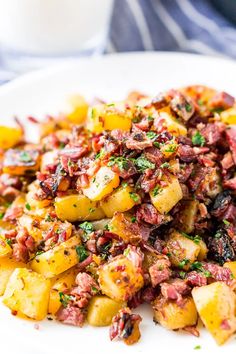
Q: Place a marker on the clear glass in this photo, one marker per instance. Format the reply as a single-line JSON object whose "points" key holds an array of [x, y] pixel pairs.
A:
{"points": [[35, 33]]}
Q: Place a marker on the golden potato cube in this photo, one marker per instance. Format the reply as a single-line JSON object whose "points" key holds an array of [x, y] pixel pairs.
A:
{"points": [[79, 109], [232, 267], [188, 216], [119, 279], [182, 251], [34, 203], [102, 184], [173, 316], [172, 124], [7, 266], [165, 198], [77, 207], [5, 248], [120, 200], [9, 137], [216, 306], [228, 116], [27, 293], [122, 225], [101, 310], [58, 259], [108, 117], [203, 250], [59, 284], [20, 162]]}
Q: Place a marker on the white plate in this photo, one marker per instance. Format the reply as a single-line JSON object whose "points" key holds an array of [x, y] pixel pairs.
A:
{"points": [[109, 77]]}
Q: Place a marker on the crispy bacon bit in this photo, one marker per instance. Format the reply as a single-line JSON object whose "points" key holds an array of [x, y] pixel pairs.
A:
{"points": [[196, 279], [174, 290], [160, 271], [125, 326], [227, 162], [23, 246], [186, 153], [218, 273], [71, 315], [138, 141], [221, 100], [231, 138], [148, 213], [181, 105]]}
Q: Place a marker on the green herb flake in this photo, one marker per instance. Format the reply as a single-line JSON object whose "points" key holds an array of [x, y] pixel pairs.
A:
{"points": [[134, 196], [25, 156], [156, 144], [87, 227], [226, 222], [48, 218], [28, 207], [165, 165], [124, 184], [91, 210], [126, 252], [1, 216], [133, 219], [9, 241], [182, 274], [198, 139], [183, 263], [188, 107], [100, 154], [81, 252], [151, 135], [171, 148], [197, 347], [120, 161], [65, 299], [143, 164], [157, 190]]}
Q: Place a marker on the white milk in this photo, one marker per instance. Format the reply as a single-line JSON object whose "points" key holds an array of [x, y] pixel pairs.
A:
{"points": [[53, 27]]}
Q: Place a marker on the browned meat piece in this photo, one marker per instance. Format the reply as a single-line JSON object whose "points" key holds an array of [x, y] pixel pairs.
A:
{"points": [[221, 100]]}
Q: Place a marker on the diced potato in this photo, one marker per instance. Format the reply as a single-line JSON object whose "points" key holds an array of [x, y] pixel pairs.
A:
{"points": [[79, 109], [119, 279], [77, 207], [165, 198], [120, 200], [108, 117], [172, 124], [169, 149], [27, 293], [9, 137], [48, 158], [21, 162], [216, 306], [102, 184], [173, 316], [58, 259], [203, 250], [229, 116], [7, 266], [232, 267], [101, 310], [5, 248], [188, 216], [182, 251], [122, 225], [35, 203], [59, 284]]}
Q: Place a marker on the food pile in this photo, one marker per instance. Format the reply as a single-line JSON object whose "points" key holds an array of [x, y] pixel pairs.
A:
{"points": [[120, 204]]}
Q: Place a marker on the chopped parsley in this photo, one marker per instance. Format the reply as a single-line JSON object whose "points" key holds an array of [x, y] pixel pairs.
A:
{"points": [[171, 148], [182, 274], [38, 253], [91, 210], [65, 299], [25, 156], [133, 219], [100, 154], [134, 196], [9, 241], [143, 164], [197, 347], [165, 165], [198, 139], [188, 107], [226, 222], [124, 184], [1, 216], [156, 191], [151, 135], [199, 268], [81, 252], [195, 239], [126, 252], [156, 144], [28, 207], [183, 263], [120, 161], [87, 227], [150, 118], [48, 218]]}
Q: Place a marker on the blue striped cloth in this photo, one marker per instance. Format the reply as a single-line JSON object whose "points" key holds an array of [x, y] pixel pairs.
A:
{"points": [[170, 25]]}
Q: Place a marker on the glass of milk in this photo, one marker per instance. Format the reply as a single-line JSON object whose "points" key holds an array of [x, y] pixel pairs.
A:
{"points": [[34, 33]]}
